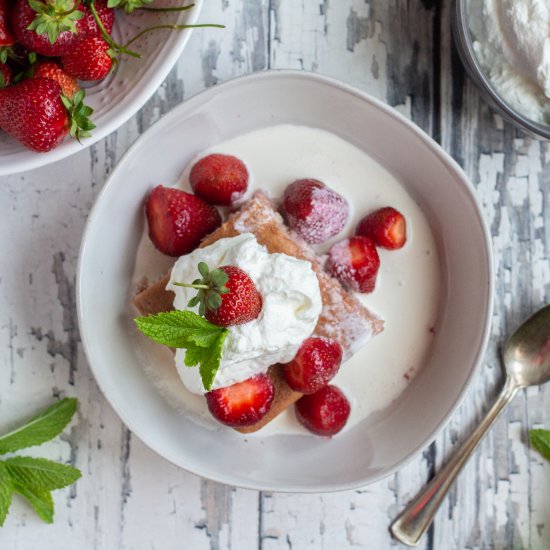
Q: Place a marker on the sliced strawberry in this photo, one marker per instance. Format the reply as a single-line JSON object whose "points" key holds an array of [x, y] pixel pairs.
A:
{"points": [[219, 179], [314, 366], [355, 262], [386, 227], [52, 70], [89, 59], [242, 404], [324, 412], [178, 221], [314, 211]]}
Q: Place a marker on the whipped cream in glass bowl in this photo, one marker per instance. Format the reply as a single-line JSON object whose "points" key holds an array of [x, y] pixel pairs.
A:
{"points": [[291, 305], [505, 46]]}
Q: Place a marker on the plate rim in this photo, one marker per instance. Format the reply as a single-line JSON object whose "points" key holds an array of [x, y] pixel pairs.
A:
{"points": [[176, 44], [436, 148]]}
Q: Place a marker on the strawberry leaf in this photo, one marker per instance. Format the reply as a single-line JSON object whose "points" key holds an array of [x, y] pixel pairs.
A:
{"points": [[128, 5], [54, 17], [79, 113]]}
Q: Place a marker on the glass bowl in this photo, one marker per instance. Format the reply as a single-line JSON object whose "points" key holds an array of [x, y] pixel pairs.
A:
{"points": [[464, 42]]}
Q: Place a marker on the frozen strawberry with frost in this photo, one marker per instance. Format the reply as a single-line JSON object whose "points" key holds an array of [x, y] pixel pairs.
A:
{"points": [[324, 412], [178, 221], [314, 366], [386, 227], [355, 263], [219, 179], [314, 211], [242, 404]]}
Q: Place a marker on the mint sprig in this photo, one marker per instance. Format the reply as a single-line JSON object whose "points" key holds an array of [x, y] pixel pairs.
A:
{"points": [[187, 330], [35, 478], [540, 441]]}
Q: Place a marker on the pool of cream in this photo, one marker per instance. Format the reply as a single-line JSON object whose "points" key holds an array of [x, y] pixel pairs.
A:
{"points": [[408, 286]]}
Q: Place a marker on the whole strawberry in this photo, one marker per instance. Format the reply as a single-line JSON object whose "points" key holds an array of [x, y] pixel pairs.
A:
{"points": [[178, 221], [49, 28], [88, 59], [52, 70], [227, 295], [219, 179], [88, 26], [37, 114], [314, 366], [314, 211]]}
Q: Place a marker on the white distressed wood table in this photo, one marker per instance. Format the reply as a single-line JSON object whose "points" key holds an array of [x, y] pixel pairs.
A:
{"points": [[129, 498]]}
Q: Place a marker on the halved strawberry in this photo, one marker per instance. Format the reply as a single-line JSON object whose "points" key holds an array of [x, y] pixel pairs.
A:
{"points": [[219, 179], [386, 227], [324, 412], [178, 221], [314, 211], [242, 404], [355, 262], [314, 366]]}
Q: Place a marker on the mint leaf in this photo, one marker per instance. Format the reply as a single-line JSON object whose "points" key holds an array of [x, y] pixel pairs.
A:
{"points": [[40, 474], [41, 501], [6, 490], [540, 440], [179, 329], [208, 359], [43, 427]]}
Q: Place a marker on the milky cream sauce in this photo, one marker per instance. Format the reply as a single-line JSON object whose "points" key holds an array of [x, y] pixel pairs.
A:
{"points": [[407, 290]]}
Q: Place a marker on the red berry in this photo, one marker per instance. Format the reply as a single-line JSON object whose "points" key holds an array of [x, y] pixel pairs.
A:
{"points": [[22, 15], [324, 412], [178, 221], [243, 302], [6, 36], [88, 25], [386, 227], [89, 59], [219, 179], [53, 71], [314, 211], [314, 366], [33, 113], [5, 76], [355, 262], [242, 404]]}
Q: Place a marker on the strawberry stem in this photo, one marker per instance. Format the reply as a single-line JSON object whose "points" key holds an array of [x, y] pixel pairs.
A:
{"points": [[187, 285], [171, 27]]}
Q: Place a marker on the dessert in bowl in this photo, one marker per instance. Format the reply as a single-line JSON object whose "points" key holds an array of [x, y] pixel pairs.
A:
{"points": [[263, 120]]}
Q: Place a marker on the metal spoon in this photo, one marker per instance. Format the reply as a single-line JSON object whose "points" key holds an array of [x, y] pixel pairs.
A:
{"points": [[526, 358]]}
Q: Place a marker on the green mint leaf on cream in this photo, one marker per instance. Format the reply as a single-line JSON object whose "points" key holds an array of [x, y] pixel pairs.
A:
{"points": [[41, 428], [540, 440], [187, 330]]}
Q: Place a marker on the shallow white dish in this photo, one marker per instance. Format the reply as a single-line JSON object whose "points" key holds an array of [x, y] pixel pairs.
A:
{"points": [[373, 448], [119, 96]]}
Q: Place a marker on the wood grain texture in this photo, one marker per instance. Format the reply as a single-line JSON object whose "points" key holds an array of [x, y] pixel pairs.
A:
{"points": [[129, 498]]}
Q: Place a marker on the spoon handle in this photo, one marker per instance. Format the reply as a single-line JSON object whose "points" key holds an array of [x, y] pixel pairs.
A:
{"points": [[417, 516]]}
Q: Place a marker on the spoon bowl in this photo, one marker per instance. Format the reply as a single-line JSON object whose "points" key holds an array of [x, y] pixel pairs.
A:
{"points": [[526, 355]]}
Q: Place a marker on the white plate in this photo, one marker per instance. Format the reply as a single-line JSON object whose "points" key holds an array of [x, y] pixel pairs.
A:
{"points": [[373, 448], [119, 96]]}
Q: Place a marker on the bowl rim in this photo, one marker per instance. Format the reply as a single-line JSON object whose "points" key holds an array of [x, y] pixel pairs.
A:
{"points": [[177, 42], [463, 41], [203, 97]]}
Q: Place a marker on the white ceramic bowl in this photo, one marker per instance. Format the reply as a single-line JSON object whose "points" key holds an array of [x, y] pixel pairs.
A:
{"points": [[119, 96], [371, 449]]}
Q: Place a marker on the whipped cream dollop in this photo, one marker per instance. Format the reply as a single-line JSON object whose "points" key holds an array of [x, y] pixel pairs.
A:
{"points": [[512, 44], [291, 305]]}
